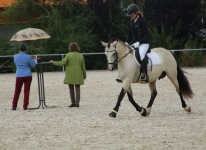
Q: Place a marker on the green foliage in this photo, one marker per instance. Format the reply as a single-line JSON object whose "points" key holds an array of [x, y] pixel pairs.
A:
{"points": [[93, 62], [65, 22], [193, 58], [170, 15], [6, 48], [162, 39], [74, 26], [119, 23], [192, 43], [24, 10]]}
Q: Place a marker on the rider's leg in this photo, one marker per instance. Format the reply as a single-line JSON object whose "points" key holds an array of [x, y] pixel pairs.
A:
{"points": [[144, 76], [143, 48]]}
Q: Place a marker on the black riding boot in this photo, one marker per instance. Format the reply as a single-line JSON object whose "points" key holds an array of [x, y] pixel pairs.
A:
{"points": [[144, 76]]}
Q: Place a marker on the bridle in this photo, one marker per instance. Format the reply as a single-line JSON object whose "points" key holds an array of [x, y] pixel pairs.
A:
{"points": [[116, 58], [116, 61]]}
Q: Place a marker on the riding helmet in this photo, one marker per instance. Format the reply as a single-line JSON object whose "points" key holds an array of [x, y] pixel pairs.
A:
{"points": [[132, 9]]}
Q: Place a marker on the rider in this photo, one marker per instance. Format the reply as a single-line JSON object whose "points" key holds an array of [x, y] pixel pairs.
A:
{"points": [[138, 34]]}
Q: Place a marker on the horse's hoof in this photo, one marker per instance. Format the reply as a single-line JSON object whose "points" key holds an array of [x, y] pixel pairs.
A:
{"points": [[113, 114], [188, 109], [144, 112], [148, 110], [119, 80]]}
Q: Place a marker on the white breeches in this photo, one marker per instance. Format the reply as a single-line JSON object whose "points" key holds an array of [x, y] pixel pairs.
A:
{"points": [[143, 50]]}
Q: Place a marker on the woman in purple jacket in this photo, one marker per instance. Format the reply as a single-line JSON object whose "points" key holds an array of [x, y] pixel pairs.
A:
{"points": [[23, 63]]}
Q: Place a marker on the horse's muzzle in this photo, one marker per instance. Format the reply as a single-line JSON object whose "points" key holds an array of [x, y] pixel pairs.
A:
{"points": [[110, 68]]}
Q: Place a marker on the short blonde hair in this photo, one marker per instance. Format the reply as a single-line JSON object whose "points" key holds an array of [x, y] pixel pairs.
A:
{"points": [[74, 47]]}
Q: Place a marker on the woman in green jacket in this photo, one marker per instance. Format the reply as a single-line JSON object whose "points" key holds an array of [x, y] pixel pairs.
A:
{"points": [[75, 72]]}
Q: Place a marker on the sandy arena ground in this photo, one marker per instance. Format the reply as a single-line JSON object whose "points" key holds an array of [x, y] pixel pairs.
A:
{"points": [[89, 127]]}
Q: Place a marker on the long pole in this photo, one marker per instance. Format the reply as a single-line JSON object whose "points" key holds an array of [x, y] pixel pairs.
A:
{"points": [[202, 12]]}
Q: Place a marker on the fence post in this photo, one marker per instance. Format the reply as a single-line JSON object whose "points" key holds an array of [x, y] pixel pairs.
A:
{"points": [[63, 65]]}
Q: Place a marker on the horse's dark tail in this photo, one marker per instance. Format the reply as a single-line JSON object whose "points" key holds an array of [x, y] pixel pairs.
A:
{"points": [[184, 84]]}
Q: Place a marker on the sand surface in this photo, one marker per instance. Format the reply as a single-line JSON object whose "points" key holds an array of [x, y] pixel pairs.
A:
{"points": [[169, 126]]}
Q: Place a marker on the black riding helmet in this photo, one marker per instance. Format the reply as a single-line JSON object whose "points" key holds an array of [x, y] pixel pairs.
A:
{"points": [[132, 9]]}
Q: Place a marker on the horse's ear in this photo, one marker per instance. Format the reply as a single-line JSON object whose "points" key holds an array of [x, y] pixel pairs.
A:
{"points": [[104, 44]]}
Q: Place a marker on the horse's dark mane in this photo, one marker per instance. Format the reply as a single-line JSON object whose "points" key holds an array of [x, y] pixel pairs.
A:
{"points": [[112, 40]]}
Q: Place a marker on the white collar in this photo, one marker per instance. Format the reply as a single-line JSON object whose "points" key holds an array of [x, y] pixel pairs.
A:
{"points": [[136, 19]]}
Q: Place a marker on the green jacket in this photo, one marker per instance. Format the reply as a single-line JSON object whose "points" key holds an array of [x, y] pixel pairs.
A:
{"points": [[75, 68]]}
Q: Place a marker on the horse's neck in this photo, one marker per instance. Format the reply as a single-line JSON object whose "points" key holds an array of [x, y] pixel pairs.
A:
{"points": [[123, 51], [127, 66], [126, 61]]}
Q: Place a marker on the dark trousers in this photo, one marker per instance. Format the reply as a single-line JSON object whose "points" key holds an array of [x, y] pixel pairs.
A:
{"points": [[74, 93], [19, 83]]}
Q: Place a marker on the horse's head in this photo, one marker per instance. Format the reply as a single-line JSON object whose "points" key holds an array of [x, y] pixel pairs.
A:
{"points": [[111, 53]]}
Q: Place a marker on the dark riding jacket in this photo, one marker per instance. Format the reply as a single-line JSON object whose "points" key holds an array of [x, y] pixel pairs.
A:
{"points": [[138, 31]]}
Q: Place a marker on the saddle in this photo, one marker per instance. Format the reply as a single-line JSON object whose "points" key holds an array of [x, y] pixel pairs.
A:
{"points": [[151, 57], [137, 55]]}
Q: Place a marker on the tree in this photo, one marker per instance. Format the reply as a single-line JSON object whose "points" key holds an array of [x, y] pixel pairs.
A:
{"points": [[180, 15], [110, 20], [65, 21]]}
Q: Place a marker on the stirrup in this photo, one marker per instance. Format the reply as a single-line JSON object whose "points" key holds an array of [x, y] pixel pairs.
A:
{"points": [[144, 77]]}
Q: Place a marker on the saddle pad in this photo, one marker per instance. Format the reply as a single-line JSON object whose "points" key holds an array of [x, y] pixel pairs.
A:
{"points": [[153, 59]]}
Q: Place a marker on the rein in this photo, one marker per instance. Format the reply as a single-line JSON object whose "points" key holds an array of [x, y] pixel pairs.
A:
{"points": [[125, 55]]}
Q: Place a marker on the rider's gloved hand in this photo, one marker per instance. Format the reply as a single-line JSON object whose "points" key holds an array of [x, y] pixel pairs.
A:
{"points": [[135, 44]]}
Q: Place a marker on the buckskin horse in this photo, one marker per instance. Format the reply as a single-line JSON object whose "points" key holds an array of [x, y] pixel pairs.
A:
{"points": [[118, 52]]}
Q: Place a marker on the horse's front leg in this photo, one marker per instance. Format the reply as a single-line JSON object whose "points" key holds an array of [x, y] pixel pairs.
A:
{"points": [[141, 110], [113, 113], [126, 85]]}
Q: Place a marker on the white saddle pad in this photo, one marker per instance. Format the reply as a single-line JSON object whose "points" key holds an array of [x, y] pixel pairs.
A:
{"points": [[153, 59]]}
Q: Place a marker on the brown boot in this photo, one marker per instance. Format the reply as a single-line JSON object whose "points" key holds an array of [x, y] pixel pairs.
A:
{"points": [[72, 105], [77, 88], [72, 95]]}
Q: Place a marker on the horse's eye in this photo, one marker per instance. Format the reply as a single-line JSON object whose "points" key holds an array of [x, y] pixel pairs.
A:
{"points": [[114, 54]]}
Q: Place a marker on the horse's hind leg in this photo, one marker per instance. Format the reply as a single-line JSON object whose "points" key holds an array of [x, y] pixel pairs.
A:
{"points": [[176, 84], [141, 110], [153, 90]]}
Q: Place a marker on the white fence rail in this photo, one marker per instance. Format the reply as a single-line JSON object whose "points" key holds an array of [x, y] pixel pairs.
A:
{"points": [[176, 50], [46, 55], [173, 50], [99, 53]]}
